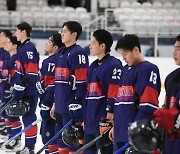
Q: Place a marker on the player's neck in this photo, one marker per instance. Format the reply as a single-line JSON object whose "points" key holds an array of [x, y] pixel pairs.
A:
{"points": [[52, 53], [101, 55], [13, 52], [24, 39], [139, 60], [70, 43]]}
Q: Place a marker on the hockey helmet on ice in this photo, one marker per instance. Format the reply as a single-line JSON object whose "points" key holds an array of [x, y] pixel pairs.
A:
{"points": [[73, 135], [17, 108], [144, 136]]}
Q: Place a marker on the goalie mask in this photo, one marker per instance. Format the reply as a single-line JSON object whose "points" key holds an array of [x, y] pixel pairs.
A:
{"points": [[73, 135], [17, 108], [144, 136]]}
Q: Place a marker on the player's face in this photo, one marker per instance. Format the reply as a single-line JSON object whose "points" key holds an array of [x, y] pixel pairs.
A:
{"points": [[49, 45], [130, 57], [176, 53], [95, 47], [10, 46], [3, 39], [66, 35], [19, 34]]}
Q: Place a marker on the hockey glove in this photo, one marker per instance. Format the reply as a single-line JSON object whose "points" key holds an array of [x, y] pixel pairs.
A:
{"points": [[7, 96], [40, 87], [18, 91], [76, 111], [72, 82], [167, 119], [104, 125]]}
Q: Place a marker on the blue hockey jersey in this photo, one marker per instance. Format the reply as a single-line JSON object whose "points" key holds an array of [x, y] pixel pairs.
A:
{"points": [[173, 146], [4, 56], [70, 61], [27, 66], [47, 79], [8, 73], [103, 81], [137, 97]]}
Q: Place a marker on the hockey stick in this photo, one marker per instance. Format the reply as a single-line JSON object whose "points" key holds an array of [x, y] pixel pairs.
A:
{"points": [[127, 145], [90, 143], [25, 82], [5, 105], [22, 131], [54, 137]]}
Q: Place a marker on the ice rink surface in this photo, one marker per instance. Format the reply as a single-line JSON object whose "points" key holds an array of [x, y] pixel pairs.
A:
{"points": [[165, 65]]}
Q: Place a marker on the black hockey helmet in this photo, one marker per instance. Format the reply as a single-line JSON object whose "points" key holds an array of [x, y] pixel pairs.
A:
{"points": [[131, 150], [73, 135], [17, 108], [144, 135]]}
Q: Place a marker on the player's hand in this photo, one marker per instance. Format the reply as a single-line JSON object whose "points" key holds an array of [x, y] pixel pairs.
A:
{"points": [[166, 118], [52, 112], [18, 92], [111, 134], [76, 111], [104, 125]]}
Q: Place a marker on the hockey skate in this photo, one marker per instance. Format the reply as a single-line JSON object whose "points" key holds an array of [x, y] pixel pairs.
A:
{"points": [[26, 150], [13, 146]]}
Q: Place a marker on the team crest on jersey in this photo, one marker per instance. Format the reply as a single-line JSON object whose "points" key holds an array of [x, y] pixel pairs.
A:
{"points": [[62, 73], [125, 93], [95, 89]]}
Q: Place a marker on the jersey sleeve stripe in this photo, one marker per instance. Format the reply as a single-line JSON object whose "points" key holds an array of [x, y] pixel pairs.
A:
{"points": [[112, 90], [149, 95], [81, 74], [31, 68]]}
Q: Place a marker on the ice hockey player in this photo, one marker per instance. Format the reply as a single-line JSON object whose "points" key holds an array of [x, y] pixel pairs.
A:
{"points": [[138, 90], [25, 84], [168, 118], [13, 124], [45, 88], [4, 56], [70, 79], [103, 79]]}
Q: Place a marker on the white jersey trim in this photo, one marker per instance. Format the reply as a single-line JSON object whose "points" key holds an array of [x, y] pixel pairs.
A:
{"points": [[147, 104], [81, 81], [52, 85], [99, 97], [33, 74], [17, 127], [19, 73], [124, 103], [31, 136], [61, 81]]}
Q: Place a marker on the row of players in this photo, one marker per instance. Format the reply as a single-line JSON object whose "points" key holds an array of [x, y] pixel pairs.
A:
{"points": [[71, 89]]}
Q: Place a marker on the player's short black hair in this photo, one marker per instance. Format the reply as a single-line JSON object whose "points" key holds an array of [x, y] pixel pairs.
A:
{"points": [[56, 39], [25, 26], [103, 36], [7, 32], [14, 40], [128, 42], [177, 38], [74, 26]]}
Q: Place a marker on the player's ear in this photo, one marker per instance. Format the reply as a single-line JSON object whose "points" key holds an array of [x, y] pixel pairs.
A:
{"points": [[136, 49], [102, 45], [55, 47], [74, 34]]}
